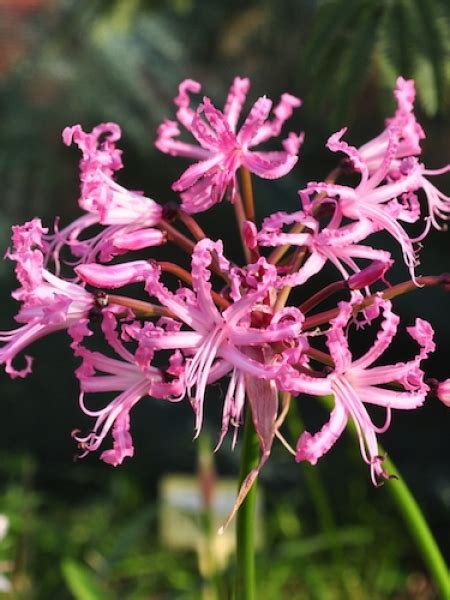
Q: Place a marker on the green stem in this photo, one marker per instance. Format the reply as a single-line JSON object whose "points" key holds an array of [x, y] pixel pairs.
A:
{"points": [[415, 521], [419, 529], [245, 521]]}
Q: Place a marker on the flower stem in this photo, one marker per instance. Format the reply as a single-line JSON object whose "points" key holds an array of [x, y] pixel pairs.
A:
{"points": [[175, 236], [283, 295], [247, 194], [185, 276], [392, 292], [322, 295], [419, 529], [276, 255], [192, 225], [245, 522], [139, 307], [414, 519]]}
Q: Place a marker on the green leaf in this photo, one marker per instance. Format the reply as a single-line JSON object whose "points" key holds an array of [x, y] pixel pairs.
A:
{"points": [[356, 63], [340, 52], [414, 42], [431, 63], [82, 582], [397, 37], [332, 20]]}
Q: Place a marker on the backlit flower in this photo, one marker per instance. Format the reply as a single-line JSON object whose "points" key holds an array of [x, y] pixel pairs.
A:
{"points": [[222, 149]]}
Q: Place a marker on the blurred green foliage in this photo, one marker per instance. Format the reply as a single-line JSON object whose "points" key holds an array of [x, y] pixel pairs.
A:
{"points": [[355, 43], [106, 546]]}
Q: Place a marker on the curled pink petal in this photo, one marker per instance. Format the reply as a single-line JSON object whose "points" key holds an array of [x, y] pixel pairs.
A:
{"points": [[223, 149], [114, 276]]}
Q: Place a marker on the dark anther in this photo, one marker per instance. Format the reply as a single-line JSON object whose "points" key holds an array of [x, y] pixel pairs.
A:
{"points": [[153, 263], [170, 212], [346, 165], [167, 377], [326, 209], [433, 384], [101, 300]]}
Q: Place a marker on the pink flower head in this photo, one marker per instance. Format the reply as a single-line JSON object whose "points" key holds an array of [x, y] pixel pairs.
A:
{"points": [[222, 150], [214, 341], [48, 302], [408, 134], [403, 125], [100, 373], [355, 383], [217, 340], [336, 243], [377, 199], [128, 216]]}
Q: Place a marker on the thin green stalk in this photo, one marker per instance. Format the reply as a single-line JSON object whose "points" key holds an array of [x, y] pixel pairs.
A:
{"points": [[419, 529], [415, 521], [245, 520]]}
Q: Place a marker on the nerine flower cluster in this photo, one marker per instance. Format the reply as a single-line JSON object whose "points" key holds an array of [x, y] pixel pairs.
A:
{"points": [[185, 329]]}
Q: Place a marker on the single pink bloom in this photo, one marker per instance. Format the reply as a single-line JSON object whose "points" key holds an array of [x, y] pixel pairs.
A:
{"points": [[128, 217], [48, 302], [404, 126], [218, 339], [353, 383], [377, 199], [222, 150], [336, 243], [100, 373]]}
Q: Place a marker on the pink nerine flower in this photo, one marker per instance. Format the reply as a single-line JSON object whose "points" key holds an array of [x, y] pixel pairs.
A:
{"points": [[354, 383], [403, 124], [408, 133], [335, 243], [216, 342], [128, 216], [101, 373], [48, 302], [221, 149], [377, 199]]}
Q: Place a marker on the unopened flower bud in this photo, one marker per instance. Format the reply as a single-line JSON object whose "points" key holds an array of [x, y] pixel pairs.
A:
{"points": [[114, 276], [250, 233], [443, 392], [369, 275]]}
